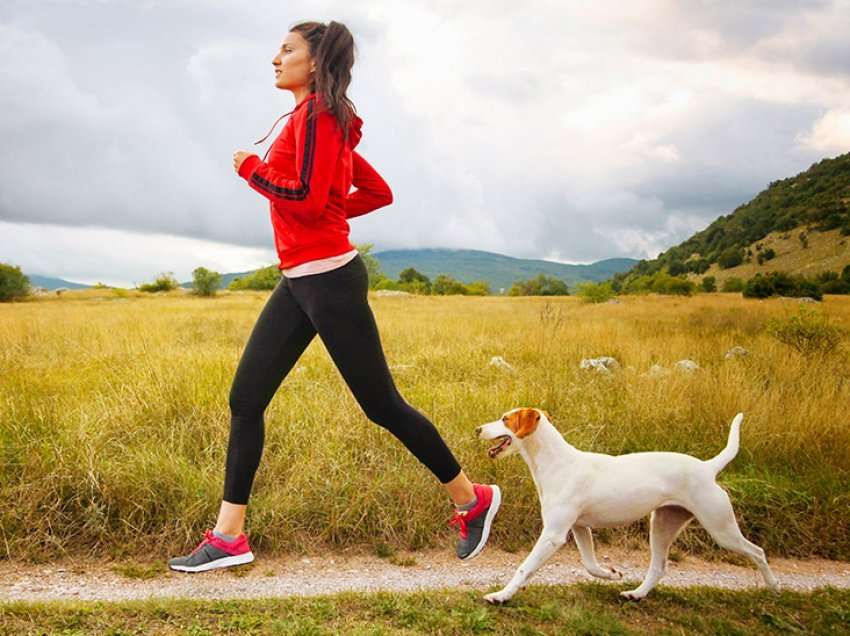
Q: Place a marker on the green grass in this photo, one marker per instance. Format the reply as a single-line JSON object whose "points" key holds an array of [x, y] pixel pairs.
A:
{"points": [[584, 608], [114, 421]]}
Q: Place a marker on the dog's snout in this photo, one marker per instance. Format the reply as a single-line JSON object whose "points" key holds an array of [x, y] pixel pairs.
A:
{"points": [[478, 429]]}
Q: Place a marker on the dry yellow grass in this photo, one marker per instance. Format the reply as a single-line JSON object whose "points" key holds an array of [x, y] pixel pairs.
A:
{"points": [[114, 418]]}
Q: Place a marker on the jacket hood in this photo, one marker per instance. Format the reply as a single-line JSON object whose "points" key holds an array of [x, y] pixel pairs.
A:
{"points": [[354, 132], [354, 128]]}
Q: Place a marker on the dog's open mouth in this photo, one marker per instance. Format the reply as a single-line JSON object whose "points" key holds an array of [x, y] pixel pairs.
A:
{"points": [[504, 442]]}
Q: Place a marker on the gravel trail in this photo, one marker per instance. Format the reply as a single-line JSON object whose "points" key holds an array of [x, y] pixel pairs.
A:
{"points": [[311, 575]]}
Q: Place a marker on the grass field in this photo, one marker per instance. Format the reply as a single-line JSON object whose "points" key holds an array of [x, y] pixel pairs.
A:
{"points": [[114, 419], [584, 608]]}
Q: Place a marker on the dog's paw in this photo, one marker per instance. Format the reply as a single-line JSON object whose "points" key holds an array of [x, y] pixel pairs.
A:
{"points": [[497, 598], [615, 573], [632, 595]]}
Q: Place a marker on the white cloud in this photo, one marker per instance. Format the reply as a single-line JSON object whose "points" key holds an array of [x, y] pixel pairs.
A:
{"points": [[117, 257], [830, 133], [580, 130]]}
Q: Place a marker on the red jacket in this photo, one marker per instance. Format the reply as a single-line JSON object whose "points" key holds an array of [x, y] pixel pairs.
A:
{"points": [[307, 179]]}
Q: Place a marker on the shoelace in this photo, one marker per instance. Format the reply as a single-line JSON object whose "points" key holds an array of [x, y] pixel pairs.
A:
{"points": [[208, 536], [459, 519]]}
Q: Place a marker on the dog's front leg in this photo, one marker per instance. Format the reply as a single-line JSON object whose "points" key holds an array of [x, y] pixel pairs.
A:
{"points": [[584, 542], [550, 540]]}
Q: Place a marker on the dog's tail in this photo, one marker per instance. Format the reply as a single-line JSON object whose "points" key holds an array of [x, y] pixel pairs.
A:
{"points": [[719, 461]]}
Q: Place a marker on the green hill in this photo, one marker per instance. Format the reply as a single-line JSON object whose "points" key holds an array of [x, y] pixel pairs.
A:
{"points": [[815, 202], [498, 270]]}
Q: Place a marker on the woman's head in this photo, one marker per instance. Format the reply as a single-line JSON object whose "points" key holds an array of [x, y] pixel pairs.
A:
{"points": [[318, 57]]}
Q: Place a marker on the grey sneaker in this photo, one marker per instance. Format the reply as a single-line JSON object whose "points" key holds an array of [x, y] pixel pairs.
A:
{"points": [[214, 552], [474, 524]]}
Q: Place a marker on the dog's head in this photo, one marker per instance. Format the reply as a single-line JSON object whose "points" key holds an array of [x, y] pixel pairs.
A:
{"points": [[511, 429]]}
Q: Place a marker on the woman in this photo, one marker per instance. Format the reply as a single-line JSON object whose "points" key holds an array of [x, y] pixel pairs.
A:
{"points": [[323, 290]]}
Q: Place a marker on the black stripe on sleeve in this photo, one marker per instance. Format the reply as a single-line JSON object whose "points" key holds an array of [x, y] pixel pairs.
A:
{"points": [[301, 192]]}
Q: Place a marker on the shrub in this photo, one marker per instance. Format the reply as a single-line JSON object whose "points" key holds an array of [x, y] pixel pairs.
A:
{"points": [[709, 284], [595, 292], [730, 257], [766, 255], [541, 285], [265, 278], [809, 332], [781, 284], [677, 268], [164, 282], [205, 282], [445, 284], [733, 284], [13, 283]]}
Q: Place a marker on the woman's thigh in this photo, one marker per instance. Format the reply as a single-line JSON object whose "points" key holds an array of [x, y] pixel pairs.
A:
{"points": [[339, 310], [279, 337]]}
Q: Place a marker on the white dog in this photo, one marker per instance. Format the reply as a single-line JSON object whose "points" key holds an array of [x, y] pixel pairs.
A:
{"points": [[580, 490]]}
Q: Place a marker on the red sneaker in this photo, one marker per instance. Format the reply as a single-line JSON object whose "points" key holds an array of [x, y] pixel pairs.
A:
{"points": [[474, 524], [214, 552]]}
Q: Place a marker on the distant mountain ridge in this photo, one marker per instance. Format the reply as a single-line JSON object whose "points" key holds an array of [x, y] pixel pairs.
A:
{"points": [[499, 270]]}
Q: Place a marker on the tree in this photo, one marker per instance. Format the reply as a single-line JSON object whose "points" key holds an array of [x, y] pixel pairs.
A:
{"points": [[13, 283], [540, 285], [445, 284], [418, 280], [677, 268], [373, 265], [595, 292], [730, 257], [264, 278], [164, 282], [205, 282]]}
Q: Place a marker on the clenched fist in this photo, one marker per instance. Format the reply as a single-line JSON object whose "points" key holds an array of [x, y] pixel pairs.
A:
{"points": [[238, 158]]}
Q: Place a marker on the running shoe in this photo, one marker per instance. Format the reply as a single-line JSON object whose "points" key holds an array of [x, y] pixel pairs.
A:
{"points": [[474, 524], [214, 552]]}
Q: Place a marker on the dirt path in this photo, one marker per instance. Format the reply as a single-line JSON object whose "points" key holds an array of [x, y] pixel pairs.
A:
{"points": [[306, 576]]}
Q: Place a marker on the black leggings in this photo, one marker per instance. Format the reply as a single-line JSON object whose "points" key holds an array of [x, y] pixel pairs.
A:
{"points": [[334, 305]]}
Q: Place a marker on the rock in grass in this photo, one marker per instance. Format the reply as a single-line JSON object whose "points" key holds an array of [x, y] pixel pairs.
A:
{"points": [[736, 352], [603, 364]]}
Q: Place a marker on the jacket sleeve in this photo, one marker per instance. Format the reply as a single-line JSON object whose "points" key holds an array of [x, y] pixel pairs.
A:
{"points": [[318, 142], [372, 191]]}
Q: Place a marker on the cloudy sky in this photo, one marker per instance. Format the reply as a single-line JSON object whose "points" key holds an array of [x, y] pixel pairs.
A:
{"points": [[570, 131]]}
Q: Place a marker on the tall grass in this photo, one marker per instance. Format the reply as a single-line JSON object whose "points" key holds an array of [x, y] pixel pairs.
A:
{"points": [[114, 419]]}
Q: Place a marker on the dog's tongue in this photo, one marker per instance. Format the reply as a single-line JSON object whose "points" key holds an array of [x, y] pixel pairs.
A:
{"points": [[493, 451]]}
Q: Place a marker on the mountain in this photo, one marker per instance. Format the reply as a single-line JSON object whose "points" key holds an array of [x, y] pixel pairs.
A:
{"points": [[815, 202], [49, 282], [226, 279], [498, 270]]}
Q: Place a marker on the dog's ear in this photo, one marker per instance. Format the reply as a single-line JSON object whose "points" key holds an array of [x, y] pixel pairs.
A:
{"points": [[526, 422]]}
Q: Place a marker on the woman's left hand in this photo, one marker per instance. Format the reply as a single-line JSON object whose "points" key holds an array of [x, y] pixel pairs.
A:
{"points": [[238, 158]]}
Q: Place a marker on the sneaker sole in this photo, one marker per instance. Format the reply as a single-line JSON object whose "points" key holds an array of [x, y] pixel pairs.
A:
{"points": [[488, 520], [224, 562]]}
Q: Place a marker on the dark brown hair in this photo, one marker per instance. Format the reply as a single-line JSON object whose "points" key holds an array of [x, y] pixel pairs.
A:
{"points": [[332, 48]]}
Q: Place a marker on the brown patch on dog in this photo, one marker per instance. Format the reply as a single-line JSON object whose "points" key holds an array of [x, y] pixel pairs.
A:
{"points": [[523, 422]]}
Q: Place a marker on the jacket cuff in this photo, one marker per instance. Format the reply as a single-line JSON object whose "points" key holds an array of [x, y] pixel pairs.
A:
{"points": [[248, 166]]}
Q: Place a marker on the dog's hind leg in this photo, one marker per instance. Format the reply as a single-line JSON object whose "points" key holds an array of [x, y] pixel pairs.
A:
{"points": [[584, 543], [714, 511], [665, 524]]}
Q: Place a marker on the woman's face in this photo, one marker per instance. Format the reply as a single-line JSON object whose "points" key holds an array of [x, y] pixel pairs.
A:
{"points": [[293, 63]]}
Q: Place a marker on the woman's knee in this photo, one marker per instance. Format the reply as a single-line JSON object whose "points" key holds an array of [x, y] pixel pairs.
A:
{"points": [[390, 412], [245, 404]]}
